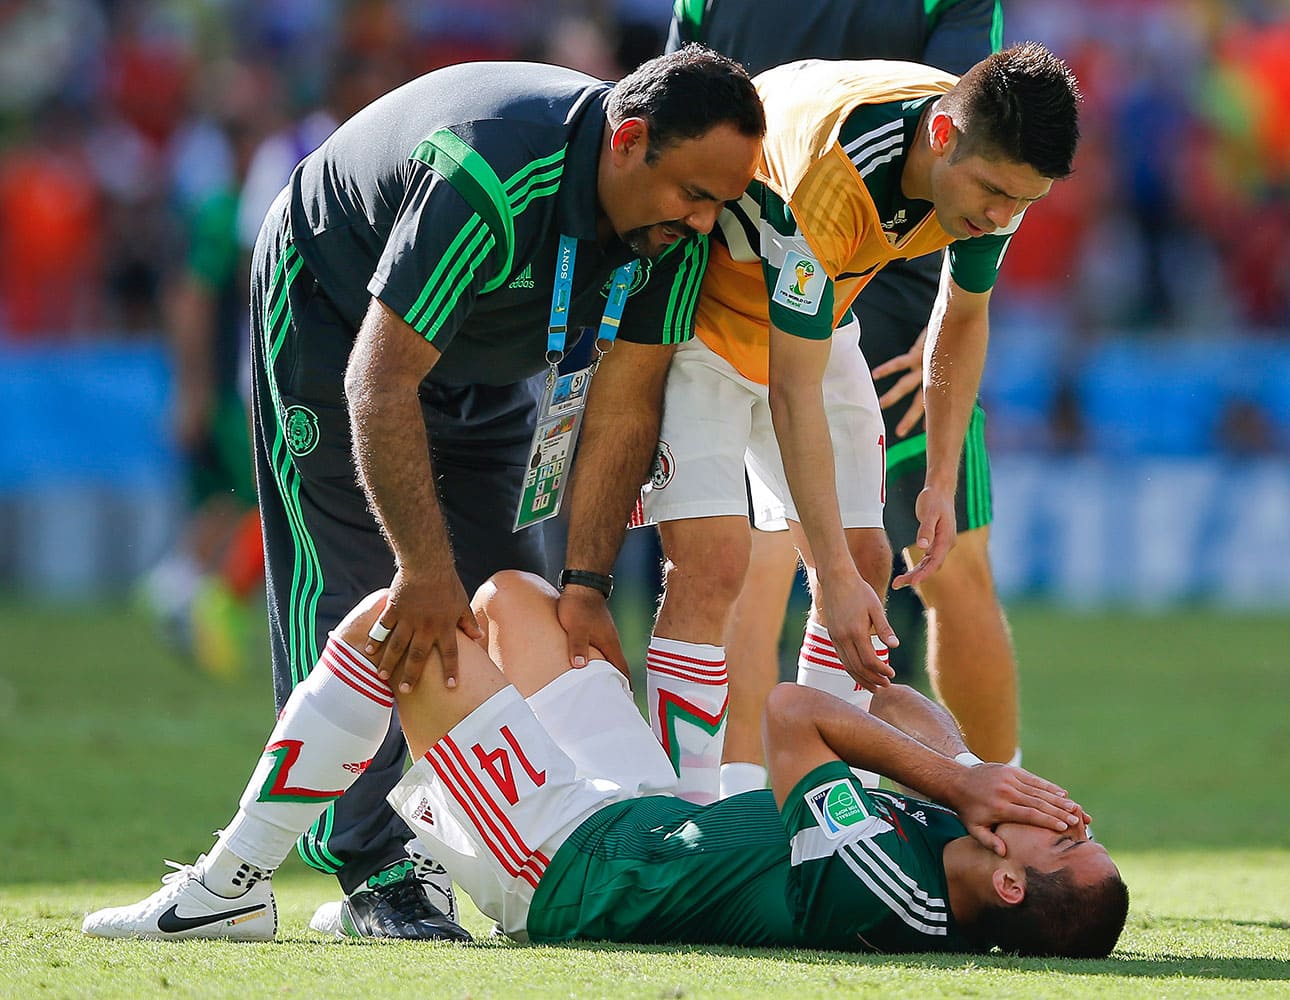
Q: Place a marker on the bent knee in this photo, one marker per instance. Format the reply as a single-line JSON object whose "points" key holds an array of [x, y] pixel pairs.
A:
{"points": [[966, 568], [355, 626], [509, 589], [871, 552], [714, 577], [783, 704]]}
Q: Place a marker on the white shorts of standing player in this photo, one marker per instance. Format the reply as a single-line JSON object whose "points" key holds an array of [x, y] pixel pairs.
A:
{"points": [[716, 430]]}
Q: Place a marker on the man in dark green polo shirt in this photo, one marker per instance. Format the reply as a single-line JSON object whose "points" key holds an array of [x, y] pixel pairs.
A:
{"points": [[437, 252]]}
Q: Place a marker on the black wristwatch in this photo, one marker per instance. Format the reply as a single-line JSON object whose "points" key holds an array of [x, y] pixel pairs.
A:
{"points": [[602, 582]]}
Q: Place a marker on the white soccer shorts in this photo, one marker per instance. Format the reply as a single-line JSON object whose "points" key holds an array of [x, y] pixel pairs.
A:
{"points": [[494, 799], [717, 426]]}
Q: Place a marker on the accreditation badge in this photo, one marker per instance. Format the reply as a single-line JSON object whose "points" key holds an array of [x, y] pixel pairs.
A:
{"points": [[564, 398]]}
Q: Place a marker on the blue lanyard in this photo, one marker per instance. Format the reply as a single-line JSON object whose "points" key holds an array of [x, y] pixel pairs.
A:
{"points": [[562, 296]]}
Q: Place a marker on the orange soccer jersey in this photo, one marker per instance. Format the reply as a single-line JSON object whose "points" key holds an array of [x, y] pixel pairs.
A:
{"points": [[803, 164]]}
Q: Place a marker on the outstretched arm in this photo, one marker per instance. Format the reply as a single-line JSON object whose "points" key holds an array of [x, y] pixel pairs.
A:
{"points": [[804, 729], [852, 610]]}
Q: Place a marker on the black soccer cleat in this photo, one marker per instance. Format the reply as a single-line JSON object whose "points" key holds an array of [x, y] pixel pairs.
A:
{"points": [[398, 910]]}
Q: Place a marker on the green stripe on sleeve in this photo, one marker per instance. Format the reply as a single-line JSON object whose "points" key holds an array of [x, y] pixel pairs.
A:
{"points": [[475, 180], [530, 171], [538, 179], [451, 277], [430, 324], [678, 319]]}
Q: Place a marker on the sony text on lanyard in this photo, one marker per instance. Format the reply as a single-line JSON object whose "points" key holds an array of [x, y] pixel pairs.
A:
{"points": [[564, 397]]}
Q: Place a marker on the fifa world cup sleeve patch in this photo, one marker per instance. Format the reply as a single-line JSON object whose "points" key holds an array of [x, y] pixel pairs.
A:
{"points": [[837, 808], [800, 284]]}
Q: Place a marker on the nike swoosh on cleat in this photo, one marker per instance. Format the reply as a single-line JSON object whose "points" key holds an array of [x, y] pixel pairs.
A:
{"points": [[172, 923]]}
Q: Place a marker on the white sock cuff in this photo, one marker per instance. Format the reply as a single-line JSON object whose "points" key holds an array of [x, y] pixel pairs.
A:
{"points": [[817, 650], [355, 670], [687, 661], [817, 631], [695, 650]]}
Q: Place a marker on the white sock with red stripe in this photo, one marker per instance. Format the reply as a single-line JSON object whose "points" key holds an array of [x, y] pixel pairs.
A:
{"points": [[688, 693], [819, 667], [328, 731]]}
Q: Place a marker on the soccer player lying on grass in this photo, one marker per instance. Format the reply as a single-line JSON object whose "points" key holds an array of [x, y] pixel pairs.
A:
{"points": [[544, 793]]}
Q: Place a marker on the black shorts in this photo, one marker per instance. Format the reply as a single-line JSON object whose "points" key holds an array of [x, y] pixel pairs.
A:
{"points": [[907, 469]]}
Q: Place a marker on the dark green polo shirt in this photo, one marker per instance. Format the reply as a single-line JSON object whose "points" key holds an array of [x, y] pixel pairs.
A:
{"points": [[446, 199]]}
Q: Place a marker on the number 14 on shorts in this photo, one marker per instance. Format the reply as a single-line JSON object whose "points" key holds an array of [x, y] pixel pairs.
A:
{"points": [[497, 764]]}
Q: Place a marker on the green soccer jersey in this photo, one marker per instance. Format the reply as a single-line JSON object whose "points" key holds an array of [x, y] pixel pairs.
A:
{"points": [[843, 868], [867, 872], [663, 869]]}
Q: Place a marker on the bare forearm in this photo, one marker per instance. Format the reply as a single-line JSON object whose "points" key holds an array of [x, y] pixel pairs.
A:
{"points": [[951, 381], [918, 717], [802, 431], [392, 455], [619, 439], [805, 728], [954, 358], [613, 460]]}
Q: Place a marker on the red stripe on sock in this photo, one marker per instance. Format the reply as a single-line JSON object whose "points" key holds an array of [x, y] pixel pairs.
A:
{"points": [[375, 691], [830, 664], [680, 659], [715, 680]]}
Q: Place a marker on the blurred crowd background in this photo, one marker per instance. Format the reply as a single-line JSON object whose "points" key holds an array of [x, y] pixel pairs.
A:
{"points": [[1139, 378]]}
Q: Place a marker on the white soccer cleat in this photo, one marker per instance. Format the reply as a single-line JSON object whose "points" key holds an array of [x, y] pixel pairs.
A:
{"points": [[184, 908]]}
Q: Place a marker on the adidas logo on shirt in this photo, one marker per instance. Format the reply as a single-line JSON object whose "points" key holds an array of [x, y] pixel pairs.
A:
{"points": [[524, 279], [896, 220]]}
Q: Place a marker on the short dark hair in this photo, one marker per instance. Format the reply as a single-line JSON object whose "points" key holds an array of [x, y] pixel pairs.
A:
{"points": [[1022, 105], [685, 93], [1056, 918]]}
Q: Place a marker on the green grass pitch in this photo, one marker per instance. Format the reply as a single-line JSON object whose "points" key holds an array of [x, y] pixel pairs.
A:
{"points": [[1173, 730]]}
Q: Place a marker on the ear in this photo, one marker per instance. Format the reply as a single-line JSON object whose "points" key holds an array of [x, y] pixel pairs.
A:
{"points": [[1010, 889], [940, 132], [629, 135]]}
